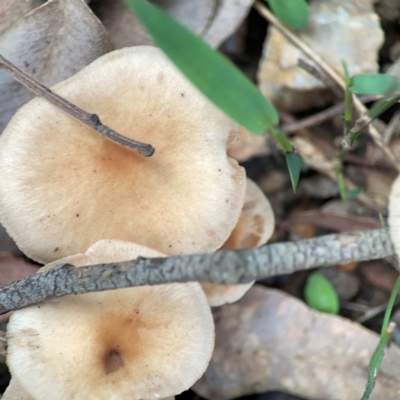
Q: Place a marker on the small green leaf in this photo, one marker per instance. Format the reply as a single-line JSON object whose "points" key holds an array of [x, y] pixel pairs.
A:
{"points": [[383, 221], [347, 78], [281, 139], [348, 101], [373, 84], [353, 193], [293, 13], [386, 333], [218, 79], [320, 294], [294, 163], [382, 105]]}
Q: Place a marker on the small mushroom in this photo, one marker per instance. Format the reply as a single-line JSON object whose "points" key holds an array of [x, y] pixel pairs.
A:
{"points": [[256, 225], [63, 187], [147, 342]]}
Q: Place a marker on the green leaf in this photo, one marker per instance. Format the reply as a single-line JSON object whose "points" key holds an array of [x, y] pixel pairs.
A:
{"points": [[217, 78], [341, 185], [293, 13], [382, 105], [281, 139], [353, 193], [320, 294], [373, 84], [386, 333], [294, 163], [348, 101], [383, 221]]}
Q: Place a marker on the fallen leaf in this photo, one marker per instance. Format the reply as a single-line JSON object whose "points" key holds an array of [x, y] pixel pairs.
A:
{"points": [[332, 221], [215, 20], [7, 243], [346, 285], [126, 30], [11, 11], [380, 275], [52, 42], [272, 341], [228, 16], [13, 268]]}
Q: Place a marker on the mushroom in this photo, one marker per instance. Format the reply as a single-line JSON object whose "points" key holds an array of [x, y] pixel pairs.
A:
{"points": [[147, 342], [63, 187], [394, 214], [15, 391], [256, 225]]}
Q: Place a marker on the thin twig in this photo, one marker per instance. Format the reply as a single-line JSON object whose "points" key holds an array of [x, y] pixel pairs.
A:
{"points": [[225, 267], [91, 120], [319, 74], [322, 116], [324, 66], [373, 312]]}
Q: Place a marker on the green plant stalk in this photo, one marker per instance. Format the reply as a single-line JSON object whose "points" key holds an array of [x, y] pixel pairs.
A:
{"points": [[347, 117], [341, 183], [352, 135], [377, 357], [377, 109], [281, 139], [348, 110]]}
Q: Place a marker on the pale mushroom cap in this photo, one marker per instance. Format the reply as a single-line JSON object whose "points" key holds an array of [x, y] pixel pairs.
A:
{"points": [[147, 342], [15, 391], [63, 186], [394, 214], [256, 222], [255, 226]]}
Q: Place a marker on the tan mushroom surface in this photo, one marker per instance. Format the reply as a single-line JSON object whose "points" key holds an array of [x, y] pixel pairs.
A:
{"points": [[15, 391], [63, 186], [147, 342], [394, 214], [255, 226]]}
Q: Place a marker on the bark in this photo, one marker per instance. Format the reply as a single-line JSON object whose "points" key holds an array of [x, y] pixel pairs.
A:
{"points": [[226, 267]]}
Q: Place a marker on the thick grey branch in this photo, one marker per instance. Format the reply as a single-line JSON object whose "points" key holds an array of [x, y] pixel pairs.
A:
{"points": [[229, 267]]}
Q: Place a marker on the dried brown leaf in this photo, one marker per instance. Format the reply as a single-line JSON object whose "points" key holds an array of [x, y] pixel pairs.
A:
{"points": [[272, 341], [12, 11], [13, 268], [52, 42], [126, 30], [7, 243], [214, 20], [332, 221], [228, 16]]}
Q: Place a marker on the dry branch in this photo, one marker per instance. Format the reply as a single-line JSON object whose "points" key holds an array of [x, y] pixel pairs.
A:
{"points": [[227, 267]]}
